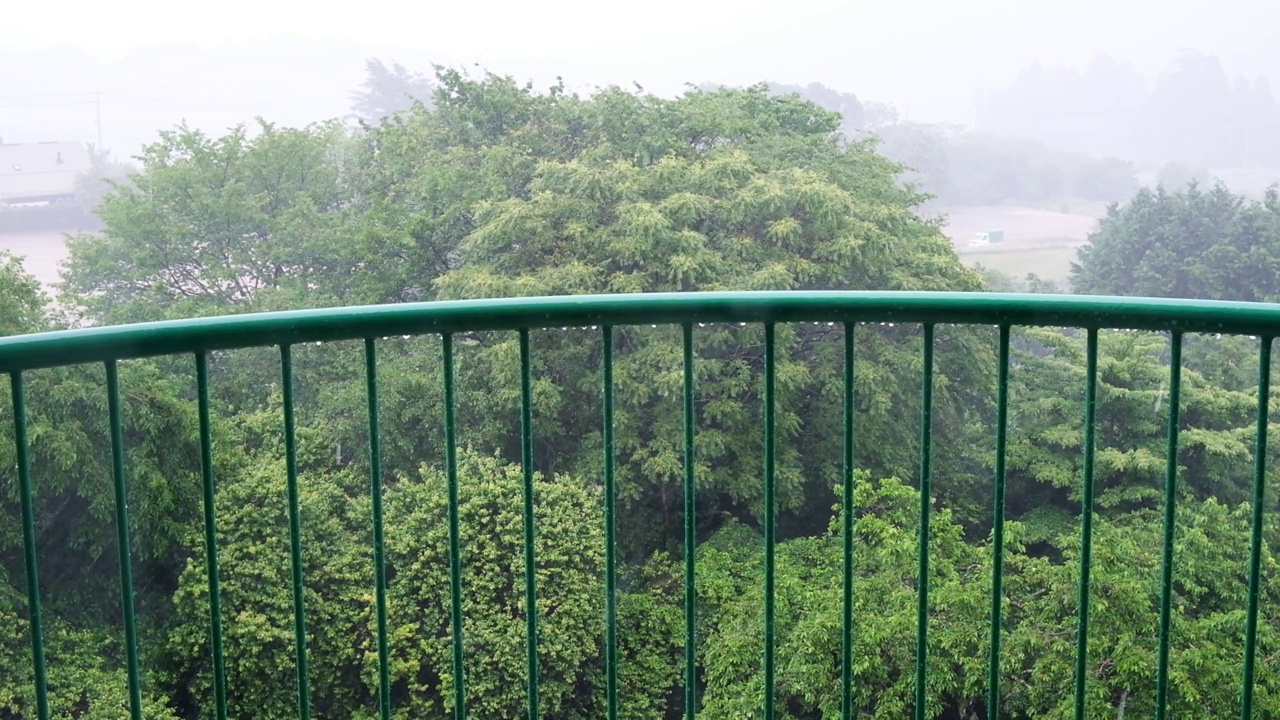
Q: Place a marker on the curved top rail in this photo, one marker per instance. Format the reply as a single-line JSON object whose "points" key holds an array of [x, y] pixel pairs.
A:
{"points": [[69, 347]]}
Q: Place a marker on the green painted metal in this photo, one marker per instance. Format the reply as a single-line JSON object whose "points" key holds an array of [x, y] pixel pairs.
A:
{"points": [[1255, 539], [530, 560], [770, 512], [122, 541], [1086, 522], [35, 621], [295, 535], [690, 538], [24, 352], [211, 539], [922, 574], [610, 539], [199, 337], [1170, 520], [847, 531], [455, 539], [997, 527], [379, 544]]}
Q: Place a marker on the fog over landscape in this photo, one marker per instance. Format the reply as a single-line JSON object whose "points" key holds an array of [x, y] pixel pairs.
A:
{"points": [[295, 62], [947, 86], [333, 383]]}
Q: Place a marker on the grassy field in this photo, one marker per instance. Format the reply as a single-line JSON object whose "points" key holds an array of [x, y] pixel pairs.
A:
{"points": [[1050, 262], [1037, 240]]}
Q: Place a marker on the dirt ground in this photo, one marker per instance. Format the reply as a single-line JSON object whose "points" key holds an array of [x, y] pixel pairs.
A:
{"points": [[43, 252]]}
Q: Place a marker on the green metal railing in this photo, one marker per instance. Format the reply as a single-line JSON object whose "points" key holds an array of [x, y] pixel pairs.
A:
{"points": [[199, 337]]}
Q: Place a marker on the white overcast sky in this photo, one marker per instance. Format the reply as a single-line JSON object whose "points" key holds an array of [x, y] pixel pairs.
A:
{"points": [[926, 55]]}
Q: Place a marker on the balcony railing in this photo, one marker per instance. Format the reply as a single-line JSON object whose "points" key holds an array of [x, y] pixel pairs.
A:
{"points": [[199, 337]]}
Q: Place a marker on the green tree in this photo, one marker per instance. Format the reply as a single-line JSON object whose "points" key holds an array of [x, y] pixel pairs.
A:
{"points": [[74, 521], [1046, 436], [212, 226], [809, 614], [388, 90], [570, 557], [734, 189], [258, 622], [1192, 243], [93, 186], [22, 300], [1208, 603]]}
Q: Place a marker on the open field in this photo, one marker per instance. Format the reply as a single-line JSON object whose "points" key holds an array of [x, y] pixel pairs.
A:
{"points": [[1037, 241], [1021, 225], [1049, 262], [42, 253]]}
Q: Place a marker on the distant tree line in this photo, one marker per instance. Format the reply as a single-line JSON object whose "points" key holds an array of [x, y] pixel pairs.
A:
{"points": [[1194, 114], [958, 167]]}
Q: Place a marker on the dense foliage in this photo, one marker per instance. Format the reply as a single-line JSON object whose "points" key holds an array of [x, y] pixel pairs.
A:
{"points": [[1187, 242], [493, 189]]}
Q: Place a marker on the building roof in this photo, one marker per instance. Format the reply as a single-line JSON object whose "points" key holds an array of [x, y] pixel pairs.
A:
{"points": [[34, 171]]}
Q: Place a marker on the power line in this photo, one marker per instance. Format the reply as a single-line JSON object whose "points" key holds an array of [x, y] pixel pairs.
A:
{"points": [[156, 103], [44, 105], [97, 101], [43, 96]]}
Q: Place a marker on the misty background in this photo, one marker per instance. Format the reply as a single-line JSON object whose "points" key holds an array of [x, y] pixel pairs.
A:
{"points": [[1025, 119], [274, 156], [1062, 75]]}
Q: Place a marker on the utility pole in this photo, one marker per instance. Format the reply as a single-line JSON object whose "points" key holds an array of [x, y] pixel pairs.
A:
{"points": [[97, 101]]}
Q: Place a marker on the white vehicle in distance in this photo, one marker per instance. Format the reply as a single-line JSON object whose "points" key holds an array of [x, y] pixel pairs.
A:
{"points": [[990, 237]]}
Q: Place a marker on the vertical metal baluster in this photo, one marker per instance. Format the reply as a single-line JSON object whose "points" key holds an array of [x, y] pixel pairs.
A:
{"points": [[690, 538], [1086, 522], [295, 534], [455, 541], [770, 402], [1170, 520], [29, 546], [997, 528], [846, 510], [1255, 539], [211, 538], [922, 605], [530, 559], [379, 546], [610, 538], [122, 541]]}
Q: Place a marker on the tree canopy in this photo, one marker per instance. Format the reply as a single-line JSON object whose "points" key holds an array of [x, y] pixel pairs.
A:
{"points": [[388, 90], [1190, 242], [494, 188]]}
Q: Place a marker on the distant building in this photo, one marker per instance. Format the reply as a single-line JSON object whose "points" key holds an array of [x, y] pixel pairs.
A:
{"points": [[38, 173]]}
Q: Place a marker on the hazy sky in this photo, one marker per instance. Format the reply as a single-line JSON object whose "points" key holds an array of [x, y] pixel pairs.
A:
{"points": [[928, 56]]}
